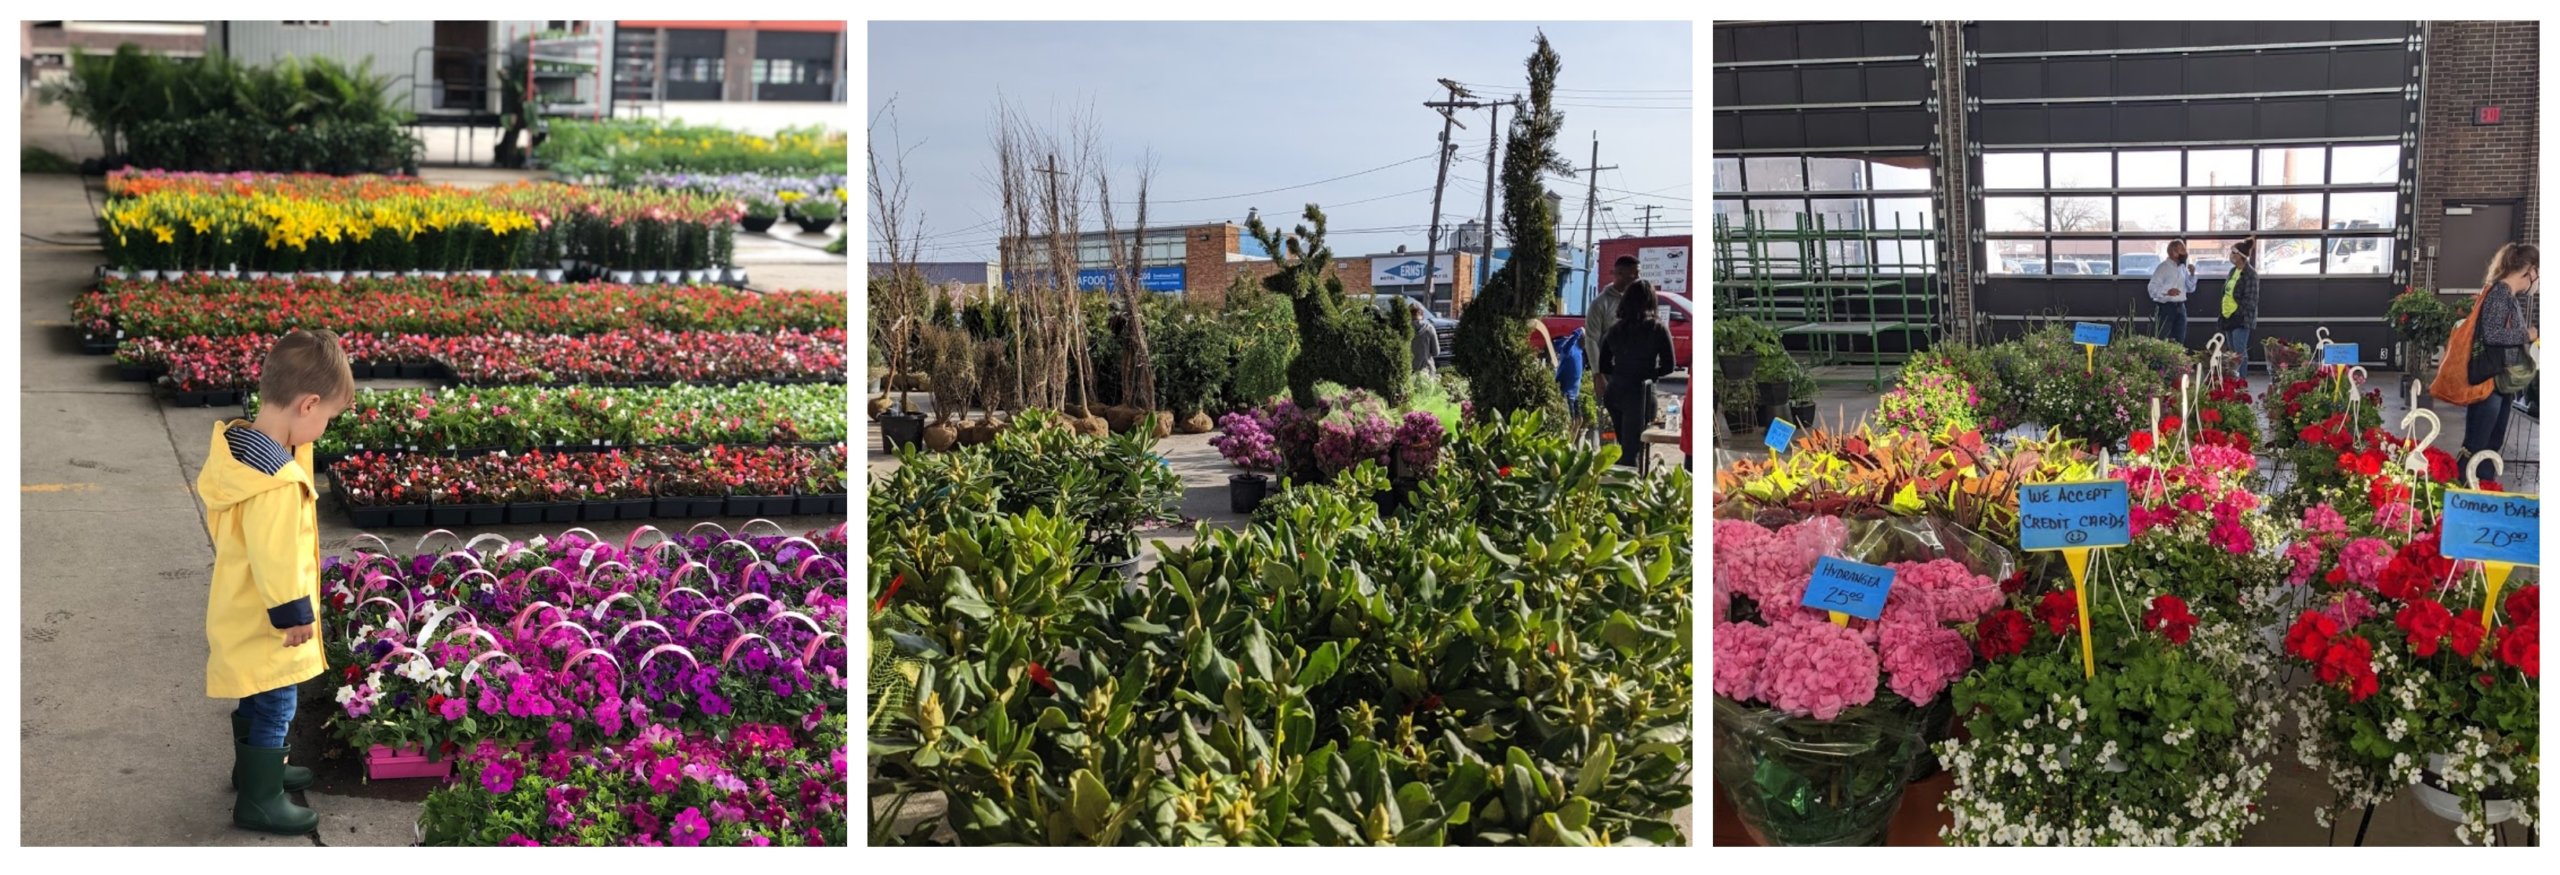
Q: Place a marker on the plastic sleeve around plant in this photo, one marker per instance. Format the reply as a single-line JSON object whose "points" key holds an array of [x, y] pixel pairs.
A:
{"points": [[1923, 538], [1802, 781]]}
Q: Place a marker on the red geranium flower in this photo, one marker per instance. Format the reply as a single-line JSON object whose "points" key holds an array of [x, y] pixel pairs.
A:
{"points": [[2141, 442], [2521, 647], [2004, 633], [2169, 424], [2348, 663], [2467, 633], [2427, 623], [2309, 637], [2168, 616], [2524, 605], [2060, 612]]}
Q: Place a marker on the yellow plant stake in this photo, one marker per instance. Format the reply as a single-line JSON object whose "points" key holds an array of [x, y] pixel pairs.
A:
{"points": [[2078, 559]]}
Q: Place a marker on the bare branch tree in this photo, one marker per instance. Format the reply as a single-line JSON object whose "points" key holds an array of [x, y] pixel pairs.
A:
{"points": [[1137, 364], [896, 300]]}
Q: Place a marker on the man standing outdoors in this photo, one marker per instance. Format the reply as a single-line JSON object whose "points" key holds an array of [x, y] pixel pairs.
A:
{"points": [[2173, 280], [1604, 312]]}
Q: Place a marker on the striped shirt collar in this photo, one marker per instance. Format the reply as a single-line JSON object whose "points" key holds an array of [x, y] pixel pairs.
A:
{"points": [[256, 450]]}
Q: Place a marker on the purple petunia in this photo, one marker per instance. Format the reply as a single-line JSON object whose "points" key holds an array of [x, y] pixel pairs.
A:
{"points": [[690, 829]]}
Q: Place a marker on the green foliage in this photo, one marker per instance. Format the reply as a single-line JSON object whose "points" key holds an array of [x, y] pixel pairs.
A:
{"points": [[1506, 374], [1742, 335], [1265, 334], [2100, 404], [1930, 399], [1192, 352], [1325, 678], [38, 159], [215, 114], [625, 149], [1104, 486], [1356, 346], [2423, 319]]}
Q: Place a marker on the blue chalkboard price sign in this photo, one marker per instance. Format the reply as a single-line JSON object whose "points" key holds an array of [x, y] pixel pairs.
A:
{"points": [[2493, 527], [2075, 515], [2091, 333], [1853, 588]]}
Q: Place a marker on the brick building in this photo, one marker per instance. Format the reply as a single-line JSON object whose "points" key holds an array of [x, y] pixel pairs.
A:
{"points": [[2466, 164], [1201, 261]]}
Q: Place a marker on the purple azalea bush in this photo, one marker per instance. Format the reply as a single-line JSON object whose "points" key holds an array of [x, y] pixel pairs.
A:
{"points": [[1246, 441], [1314, 443]]}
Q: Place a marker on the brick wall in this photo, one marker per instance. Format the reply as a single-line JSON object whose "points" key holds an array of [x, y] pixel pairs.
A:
{"points": [[2472, 64], [1207, 272]]}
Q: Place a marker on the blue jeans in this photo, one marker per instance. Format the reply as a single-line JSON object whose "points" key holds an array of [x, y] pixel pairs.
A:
{"points": [[2484, 423], [2237, 340], [270, 715], [2170, 319]]}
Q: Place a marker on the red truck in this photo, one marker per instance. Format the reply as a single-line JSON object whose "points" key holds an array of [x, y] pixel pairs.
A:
{"points": [[1663, 261], [1676, 313]]}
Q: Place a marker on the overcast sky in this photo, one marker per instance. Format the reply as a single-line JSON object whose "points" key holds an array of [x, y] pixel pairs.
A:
{"points": [[1234, 107]]}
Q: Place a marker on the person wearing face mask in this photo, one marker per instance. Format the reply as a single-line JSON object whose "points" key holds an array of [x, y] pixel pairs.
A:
{"points": [[2173, 280], [2240, 301], [2502, 336]]}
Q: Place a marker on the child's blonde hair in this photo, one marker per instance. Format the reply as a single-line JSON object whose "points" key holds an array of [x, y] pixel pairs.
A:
{"points": [[306, 363]]}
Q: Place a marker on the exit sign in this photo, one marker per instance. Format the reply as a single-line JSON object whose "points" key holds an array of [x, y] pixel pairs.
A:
{"points": [[2487, 115]]}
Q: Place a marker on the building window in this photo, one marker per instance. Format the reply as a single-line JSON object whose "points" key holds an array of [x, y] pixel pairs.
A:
{"points": [[693, 69], [1874, 212], [2315, 209], [304, 23]]}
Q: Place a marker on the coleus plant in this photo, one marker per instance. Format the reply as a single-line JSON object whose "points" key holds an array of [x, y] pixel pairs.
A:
{"points": [[1957, 476]]}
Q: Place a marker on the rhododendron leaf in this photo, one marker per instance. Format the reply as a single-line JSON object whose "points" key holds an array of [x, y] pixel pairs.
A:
{"points": [[1595, 769]]}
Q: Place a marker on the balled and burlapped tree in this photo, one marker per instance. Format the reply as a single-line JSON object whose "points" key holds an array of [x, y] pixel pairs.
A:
{"points": [[1504, 374], [1358, 347]]}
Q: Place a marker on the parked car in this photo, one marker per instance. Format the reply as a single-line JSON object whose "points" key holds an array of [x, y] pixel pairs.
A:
{"points": [[1677, 313], [2138, 263], [2213, 265], [1444, 326]]}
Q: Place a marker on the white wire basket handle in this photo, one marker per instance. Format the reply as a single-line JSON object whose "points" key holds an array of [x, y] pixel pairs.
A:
{"points": [[777, 528], [590, 576], [747, 597], [752, 556], [399, 615], [806, 544], [374, 580], [731, 652], [677, 649], [695, 625], [593, 539], [448, 535], [800, 574], [805, 620], [697, 527], [385, 546], [474, 544], [388, 658], [655, 552], [809, 651], [689, 565], [564, 584], [631, 541], [435, 620], [628, 628], [597, 612], [474, 631], [463, 555]]}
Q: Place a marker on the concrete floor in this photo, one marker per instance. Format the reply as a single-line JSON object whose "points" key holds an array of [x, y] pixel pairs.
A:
{"points": [[118, 744]]}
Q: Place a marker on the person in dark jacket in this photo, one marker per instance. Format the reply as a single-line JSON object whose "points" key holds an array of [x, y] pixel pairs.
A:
{"points": [[1426, 341], [2242, 286], [2503, 334], [1636, 352]]}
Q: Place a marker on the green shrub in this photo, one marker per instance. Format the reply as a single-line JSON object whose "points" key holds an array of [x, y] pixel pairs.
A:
{"points": [[2101, 401], [215, 114], [1191, 351], [1357, 346], [1506, 374], [1327, 677], [1265, 335], [38, 159]]}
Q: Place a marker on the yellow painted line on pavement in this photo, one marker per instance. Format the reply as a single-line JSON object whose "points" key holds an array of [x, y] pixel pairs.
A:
{"points": [[48, 323], [58, 487]]}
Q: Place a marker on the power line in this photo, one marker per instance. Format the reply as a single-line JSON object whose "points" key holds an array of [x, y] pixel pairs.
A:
{"points": [[1591, 90]]}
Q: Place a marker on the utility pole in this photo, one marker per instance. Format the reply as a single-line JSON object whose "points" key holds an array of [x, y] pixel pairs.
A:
{"points": [[1648, 217], [1591, 210], [1431, 246], [1492, 148]]}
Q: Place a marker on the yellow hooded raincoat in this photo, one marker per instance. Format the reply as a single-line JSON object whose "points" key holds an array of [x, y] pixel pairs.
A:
{"points": [[266, 553]]}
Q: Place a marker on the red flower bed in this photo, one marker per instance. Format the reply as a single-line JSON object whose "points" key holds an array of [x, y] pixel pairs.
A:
{"points": [[460, 306], [380, 479], [198, 364]]}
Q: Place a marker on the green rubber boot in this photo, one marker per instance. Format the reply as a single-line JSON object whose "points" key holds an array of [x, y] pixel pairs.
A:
{"points": [[262, 805], [296, 778]]}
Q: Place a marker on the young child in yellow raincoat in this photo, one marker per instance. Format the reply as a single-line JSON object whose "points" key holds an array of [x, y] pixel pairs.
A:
{"points": [[262, 613]]}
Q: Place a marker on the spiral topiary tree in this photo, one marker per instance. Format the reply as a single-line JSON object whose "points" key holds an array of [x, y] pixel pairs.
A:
{"points": [[1358, 347], [1504, 374]]}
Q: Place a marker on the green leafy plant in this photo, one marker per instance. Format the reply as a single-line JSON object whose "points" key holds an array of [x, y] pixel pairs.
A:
{"points": [[1505, 374], [1356, 346]]}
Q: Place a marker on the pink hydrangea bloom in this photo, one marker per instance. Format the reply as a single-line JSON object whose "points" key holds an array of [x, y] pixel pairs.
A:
{"points": [[1939, 591], [1920, 661], [1816, 669], [1741, 650], [1771, 568]]}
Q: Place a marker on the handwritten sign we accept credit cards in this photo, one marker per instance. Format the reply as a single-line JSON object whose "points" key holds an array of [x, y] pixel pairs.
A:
{"points": [[1853, 588], [2091, 333], [2492, 526], [2076, 515]]}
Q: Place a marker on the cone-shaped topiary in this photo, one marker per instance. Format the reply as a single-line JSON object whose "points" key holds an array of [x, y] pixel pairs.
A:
{"points": [[1358, 347], [1504, 372]]}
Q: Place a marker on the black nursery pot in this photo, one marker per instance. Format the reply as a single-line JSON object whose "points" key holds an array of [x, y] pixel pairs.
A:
{"points": [[706, 507], [597, 511], [778, 506], [673, 507], [837, 504], [743, 505], [486, 514], [809, 505], [757, 224], [560, 512], [814, 226], [1801, 413], [446, 516], [408, 516], [1246, 491], [1774, 394], [901, 429], [523, 513], [632, 509], [1736, 367], [369, 517]]}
